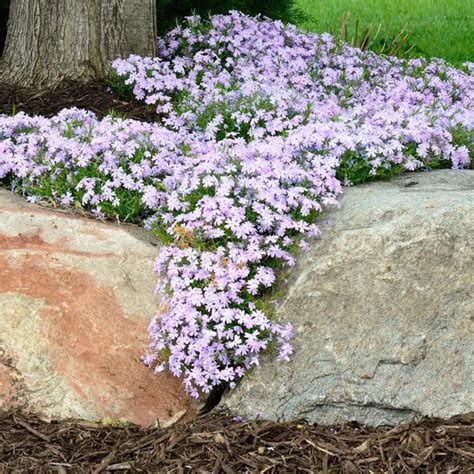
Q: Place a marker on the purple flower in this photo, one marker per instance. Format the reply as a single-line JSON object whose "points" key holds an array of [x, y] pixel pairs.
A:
{"points": [[257, 119]]}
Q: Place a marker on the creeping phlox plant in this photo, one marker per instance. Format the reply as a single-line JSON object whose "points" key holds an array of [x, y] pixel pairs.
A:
{"points": [[259, 126], [238, 76]]}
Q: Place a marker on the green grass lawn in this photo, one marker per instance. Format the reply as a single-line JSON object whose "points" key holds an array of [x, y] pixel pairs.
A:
{"points": [[439, 28]]}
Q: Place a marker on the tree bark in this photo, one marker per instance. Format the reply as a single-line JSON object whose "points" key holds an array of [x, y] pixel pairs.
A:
{"points": [[49, 41]]}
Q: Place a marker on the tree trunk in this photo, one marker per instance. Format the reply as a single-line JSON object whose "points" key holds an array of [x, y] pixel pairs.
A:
{"points": [[53, 40]]}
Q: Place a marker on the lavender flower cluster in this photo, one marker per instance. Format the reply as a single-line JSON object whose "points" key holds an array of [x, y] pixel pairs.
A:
{"points": [[260, 125], [239, 76]]}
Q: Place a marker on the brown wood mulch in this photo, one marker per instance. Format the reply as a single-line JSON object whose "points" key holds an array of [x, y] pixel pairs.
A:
{"points": [[218, 443], [95, 96]]}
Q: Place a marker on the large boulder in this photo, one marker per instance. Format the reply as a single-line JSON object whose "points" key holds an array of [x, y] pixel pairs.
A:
{"points": [[76, 297], [383, 310]]}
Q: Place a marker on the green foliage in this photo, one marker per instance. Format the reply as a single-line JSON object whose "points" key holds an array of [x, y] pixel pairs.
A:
{"points": [[438, 28], [368, 38], [117, 84], [354, 169], [4, 9], [171, 11]]}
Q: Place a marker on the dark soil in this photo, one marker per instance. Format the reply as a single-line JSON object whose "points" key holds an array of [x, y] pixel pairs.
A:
{"points": [[94, 96], [218, 443]]}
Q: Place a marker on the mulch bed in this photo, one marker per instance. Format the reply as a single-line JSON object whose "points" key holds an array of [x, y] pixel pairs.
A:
{"points": [[216, 442], [94, 96]]}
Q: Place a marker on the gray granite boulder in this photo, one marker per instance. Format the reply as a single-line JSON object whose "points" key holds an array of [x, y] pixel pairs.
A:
{"points": [[383, 310]]}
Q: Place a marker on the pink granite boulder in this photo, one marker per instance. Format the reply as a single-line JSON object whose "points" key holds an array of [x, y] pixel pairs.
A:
{"points": [[76, 297]]}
